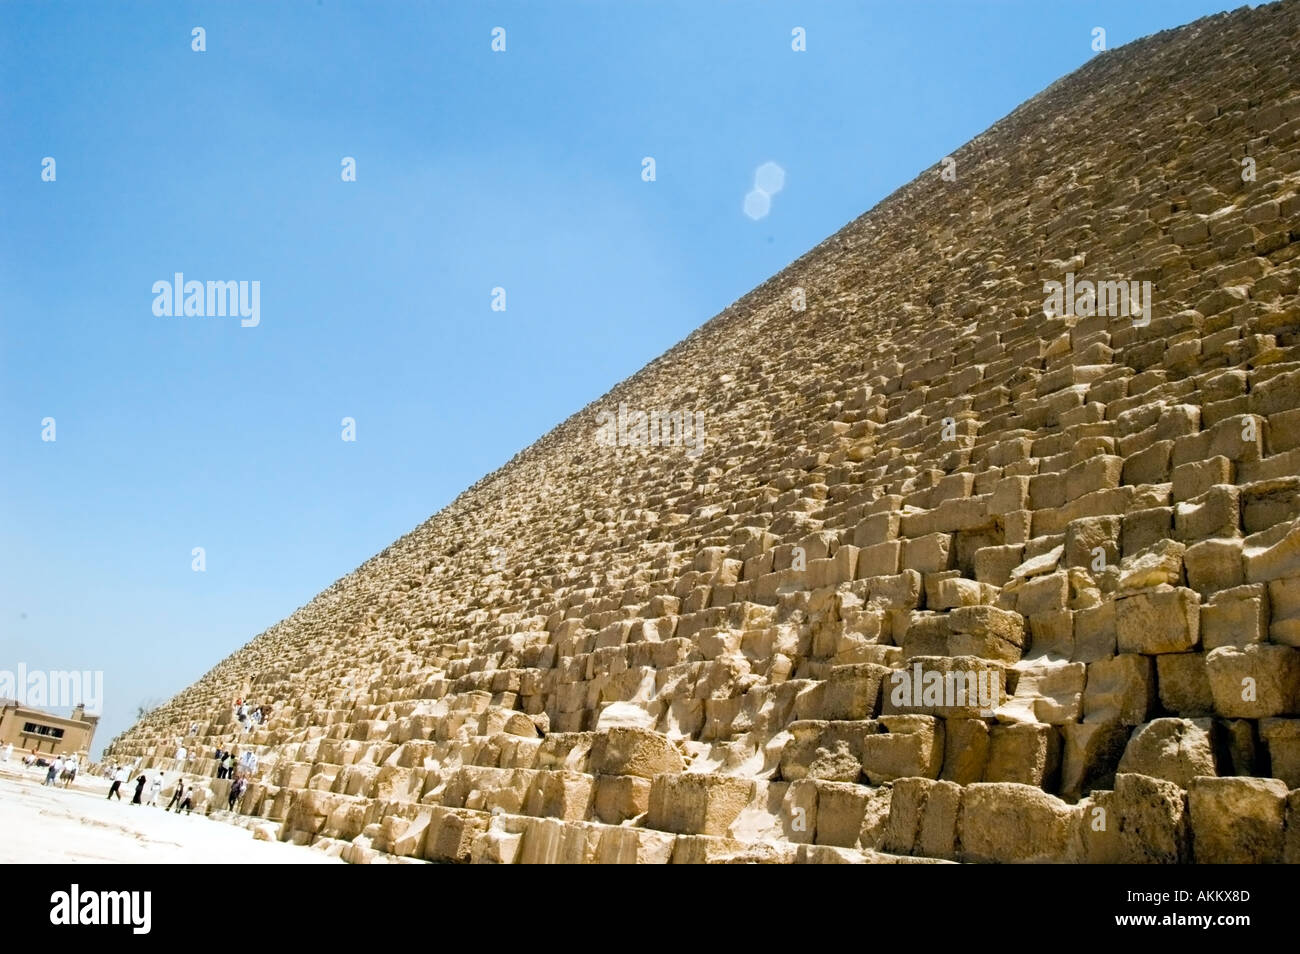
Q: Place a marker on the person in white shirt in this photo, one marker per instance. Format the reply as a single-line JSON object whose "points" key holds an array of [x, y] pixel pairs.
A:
{"points": [[119, 776], [70, 769], [52, 775], [8, 751], [154, 788]]}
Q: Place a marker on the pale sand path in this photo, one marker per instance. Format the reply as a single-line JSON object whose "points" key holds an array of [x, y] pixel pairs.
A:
{"points": [[47, 825]]}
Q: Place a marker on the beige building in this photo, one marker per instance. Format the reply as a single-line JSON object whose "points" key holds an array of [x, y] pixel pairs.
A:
{"points": [[35, 730]]}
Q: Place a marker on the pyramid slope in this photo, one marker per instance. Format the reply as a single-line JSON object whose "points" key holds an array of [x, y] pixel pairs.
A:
{"points": [[637, 653]]}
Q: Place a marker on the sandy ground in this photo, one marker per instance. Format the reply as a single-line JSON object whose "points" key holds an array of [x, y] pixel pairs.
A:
{"points": [[40, 825]]}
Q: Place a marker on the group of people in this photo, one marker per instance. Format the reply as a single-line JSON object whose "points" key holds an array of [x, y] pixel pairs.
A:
{"points": [[62, 770], [147, 790], [120, 774], [251, 720]]}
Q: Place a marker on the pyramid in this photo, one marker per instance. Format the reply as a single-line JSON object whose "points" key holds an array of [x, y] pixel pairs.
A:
{"points": [[970, 536]]}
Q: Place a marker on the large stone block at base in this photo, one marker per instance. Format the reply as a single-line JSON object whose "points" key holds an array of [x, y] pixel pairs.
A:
{"points": [[689, 804], [1143, 821], [1237, 820], [1002, 822]]}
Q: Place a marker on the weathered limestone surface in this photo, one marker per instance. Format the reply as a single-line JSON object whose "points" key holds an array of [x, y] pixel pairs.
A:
{"points": [[951, 579]]}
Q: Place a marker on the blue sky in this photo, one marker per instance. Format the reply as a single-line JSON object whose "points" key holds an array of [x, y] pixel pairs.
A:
{"points": [[475, 170]]}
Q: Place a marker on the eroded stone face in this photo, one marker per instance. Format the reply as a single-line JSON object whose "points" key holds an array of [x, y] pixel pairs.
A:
{"points": [[888, 462]]}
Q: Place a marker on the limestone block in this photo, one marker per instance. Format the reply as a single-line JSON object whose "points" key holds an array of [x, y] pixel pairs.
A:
{"points": [[993, 564], [1163, 620], [1093, 540], [1025, 752], [1143, 821], [1272, 560], [1176, 750], [841, 808], [1194, 478], [853, 692], [560, 794], [879, 559], [984, 631], [1255, 682], [1281, 737], [1005, 822], [966, 750], [1090, 753], [1235, 617], [632, 751], [1043, 594], [927, 634], [1121, 689], [693, 804], [1161, 564], [1237, 820], [956, 687], [930, 553], [1094, 633], [452, 832], [620, 797], [922, 818], [1213, 565], [907, 745]]}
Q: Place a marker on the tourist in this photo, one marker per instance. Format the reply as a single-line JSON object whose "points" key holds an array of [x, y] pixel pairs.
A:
{"points": [[177, 794], [236, 789], [70, 769], [7, 751], [52, 773], [227, 763], [119, 776], [140, 782], [154, 788], [187, 802]]}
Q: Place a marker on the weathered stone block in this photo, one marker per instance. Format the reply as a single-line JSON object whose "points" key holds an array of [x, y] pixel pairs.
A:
{"points": [[1163, 620], [1237, 820]]}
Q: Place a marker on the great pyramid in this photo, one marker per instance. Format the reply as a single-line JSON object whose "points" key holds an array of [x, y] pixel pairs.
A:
{"points": [[969, 566]]}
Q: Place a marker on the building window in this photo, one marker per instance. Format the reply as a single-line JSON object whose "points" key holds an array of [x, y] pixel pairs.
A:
{"points": [[34, 728]]}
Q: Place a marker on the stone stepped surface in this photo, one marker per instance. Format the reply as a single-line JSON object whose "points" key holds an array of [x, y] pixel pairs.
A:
{"points": [[957, 576]]}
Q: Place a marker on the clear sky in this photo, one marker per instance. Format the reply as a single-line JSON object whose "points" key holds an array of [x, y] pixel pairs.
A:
{"points": [[475, 169]]}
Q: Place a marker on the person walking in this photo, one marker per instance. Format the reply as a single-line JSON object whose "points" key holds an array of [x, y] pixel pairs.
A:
{"points": [[52, 773], [154, 788], [177, 794], [8, 751], [236, 790], [187, 802], [140, 782], [119, 776]]}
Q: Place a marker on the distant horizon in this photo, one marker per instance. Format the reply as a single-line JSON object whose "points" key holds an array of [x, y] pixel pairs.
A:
{"points": [[493, 267]]}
